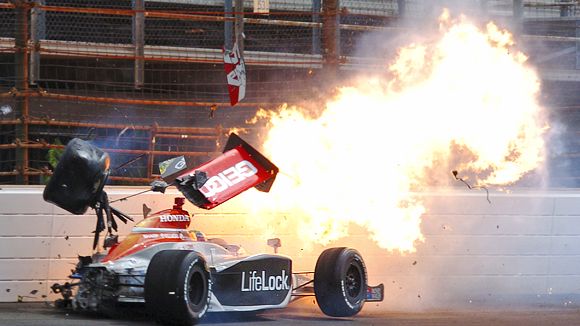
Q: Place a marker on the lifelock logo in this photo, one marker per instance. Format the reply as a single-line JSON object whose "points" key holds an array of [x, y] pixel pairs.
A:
{"points": [[254, 281]]}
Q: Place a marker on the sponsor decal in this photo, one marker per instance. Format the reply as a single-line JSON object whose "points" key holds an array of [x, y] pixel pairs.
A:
{"points": [[262, 282], [375, 293], [161, 236], [173, 218], [227, 178], [255, 281], [180, 164], [172, 165], [261, 6]]}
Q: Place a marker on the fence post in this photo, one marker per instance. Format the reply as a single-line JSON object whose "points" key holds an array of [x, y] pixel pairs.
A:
{"points": [[401, 7], [330, 37], [37, 33], [518, 14], [577, 44], [566, 9], [150, 157], [518, 9], [240, 25], [228, 25], [316, 6], [21, 66], [139, 42]]}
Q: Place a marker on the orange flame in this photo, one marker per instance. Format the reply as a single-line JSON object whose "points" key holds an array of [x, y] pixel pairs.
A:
{"points": [[467, 99]]}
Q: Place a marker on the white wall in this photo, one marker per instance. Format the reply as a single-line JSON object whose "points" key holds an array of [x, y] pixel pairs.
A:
{"points": [[522, 249], [39, 242]]}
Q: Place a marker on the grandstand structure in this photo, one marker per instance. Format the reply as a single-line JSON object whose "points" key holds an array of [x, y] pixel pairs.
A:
{"points": [[145, 81]]}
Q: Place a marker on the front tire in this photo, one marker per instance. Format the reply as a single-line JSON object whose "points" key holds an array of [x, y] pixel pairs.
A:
{"points": [[340, 282], [177, 287]]}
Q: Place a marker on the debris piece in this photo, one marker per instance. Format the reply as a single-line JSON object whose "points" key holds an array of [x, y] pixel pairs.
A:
{"points": [[121, 134], [414, 263], [131, 161], [159, 186], [212, 110], [66, 237], [146, 211], [33, 292], [454, 172]]}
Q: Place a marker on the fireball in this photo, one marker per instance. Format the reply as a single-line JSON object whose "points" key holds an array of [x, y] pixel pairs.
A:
{"points": [[465, 100]]}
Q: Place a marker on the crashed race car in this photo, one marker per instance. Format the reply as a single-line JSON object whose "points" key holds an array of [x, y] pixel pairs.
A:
{"points": [[179, 274]]}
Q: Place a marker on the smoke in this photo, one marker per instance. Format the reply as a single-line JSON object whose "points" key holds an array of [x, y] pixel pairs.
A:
{"points": [[462, 256], [560, 171], [455, 266]]}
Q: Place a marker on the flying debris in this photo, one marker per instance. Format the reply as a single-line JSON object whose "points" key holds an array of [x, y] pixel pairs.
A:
{"points": [[240, 167], [212, 110], [84, 164], [454, 172], [236, 74]]}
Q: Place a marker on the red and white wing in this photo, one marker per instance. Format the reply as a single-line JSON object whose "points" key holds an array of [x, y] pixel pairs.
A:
{"points": [[239, 168]]}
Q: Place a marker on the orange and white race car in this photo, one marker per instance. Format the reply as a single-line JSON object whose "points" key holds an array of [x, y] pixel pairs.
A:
{"points": [[179, 274]]}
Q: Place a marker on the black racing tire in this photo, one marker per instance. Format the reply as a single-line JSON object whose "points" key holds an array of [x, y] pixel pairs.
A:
{"points": [[340, 282], [177, 287]]}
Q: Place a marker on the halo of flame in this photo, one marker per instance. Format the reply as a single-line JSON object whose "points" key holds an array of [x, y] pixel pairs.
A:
{"points": [[467, 98]]}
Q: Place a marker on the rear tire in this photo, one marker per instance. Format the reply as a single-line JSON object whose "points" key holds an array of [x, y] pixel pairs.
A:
{"points": [[340, 282], [177, 287]]}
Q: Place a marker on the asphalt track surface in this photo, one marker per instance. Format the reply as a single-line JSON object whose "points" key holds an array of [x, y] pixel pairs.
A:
{"points": [[37, 314]]}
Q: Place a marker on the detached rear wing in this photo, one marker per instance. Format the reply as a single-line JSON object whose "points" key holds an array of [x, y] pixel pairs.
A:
{"points": [[239, 168]]}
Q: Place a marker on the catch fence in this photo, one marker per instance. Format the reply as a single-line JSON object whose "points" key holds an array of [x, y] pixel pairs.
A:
{"points": [[145, 79]]}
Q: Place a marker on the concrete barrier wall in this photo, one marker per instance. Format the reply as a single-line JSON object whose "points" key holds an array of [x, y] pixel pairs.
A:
{"points": [[522, 249]]}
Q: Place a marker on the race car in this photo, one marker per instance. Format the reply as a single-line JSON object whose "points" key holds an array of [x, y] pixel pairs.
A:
{"points": [[178, 273]]}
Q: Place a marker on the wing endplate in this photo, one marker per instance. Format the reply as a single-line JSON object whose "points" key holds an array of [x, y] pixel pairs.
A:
{"points": [[239, 168]]}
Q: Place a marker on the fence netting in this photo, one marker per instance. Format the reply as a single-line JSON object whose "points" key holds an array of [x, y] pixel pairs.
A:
{"points": [[146, 78]]}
